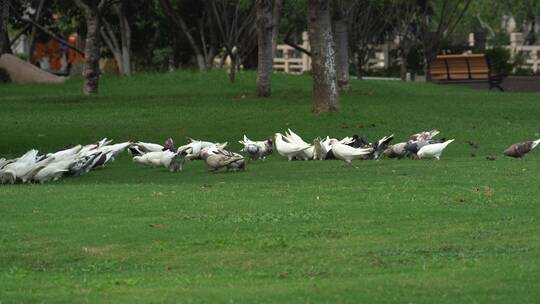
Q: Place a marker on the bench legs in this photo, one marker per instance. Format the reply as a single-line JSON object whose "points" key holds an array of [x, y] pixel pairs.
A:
{"points": [[495, 85]]}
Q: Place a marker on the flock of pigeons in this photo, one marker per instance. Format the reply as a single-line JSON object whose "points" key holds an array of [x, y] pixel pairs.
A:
{"points": [[77, 160], [71, 161]]}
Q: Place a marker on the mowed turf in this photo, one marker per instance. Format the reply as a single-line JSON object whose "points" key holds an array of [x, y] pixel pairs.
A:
{"points": [[460, 230]]}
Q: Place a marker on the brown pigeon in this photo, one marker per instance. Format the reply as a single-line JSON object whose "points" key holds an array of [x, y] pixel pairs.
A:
{"points": [[521, 149], [217, 158], [424, 136]]}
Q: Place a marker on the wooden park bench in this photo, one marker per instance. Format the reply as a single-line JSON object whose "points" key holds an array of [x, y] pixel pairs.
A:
{"points": [[465, 68]]}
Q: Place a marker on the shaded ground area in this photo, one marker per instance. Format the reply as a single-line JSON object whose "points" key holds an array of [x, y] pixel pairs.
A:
{"points": [[513, 84]]}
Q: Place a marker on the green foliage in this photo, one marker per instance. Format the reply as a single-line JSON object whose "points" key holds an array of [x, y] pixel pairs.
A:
{"points": [[524, 72], [392, 71], [463, 229], [500, 60], [492, 13], [500, 39]]}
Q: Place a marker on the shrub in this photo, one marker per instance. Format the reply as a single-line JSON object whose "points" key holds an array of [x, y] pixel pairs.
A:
{"points": [[500, 60]]}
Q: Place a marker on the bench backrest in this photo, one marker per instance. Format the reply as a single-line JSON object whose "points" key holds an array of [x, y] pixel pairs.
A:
{"points": [[460, 67]]}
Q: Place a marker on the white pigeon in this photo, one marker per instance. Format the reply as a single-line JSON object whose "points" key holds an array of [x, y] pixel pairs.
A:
{"points": [[347, 140], [105, 141], [3, 162], [53, 171], [88, 149], [36, 168], [194, 148], [149, 147], [167, 159], [306, 154], [65, 154], [8, 176], [287, 148], [115, 149], [348, 153], [433, 150], [321, 148], [20, 166]]}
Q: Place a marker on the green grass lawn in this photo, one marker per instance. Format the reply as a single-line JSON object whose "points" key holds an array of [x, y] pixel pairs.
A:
{"points": [[460, 230]]}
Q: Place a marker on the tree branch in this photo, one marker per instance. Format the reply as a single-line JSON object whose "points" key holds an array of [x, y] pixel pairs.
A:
{"points": [[287, 41], [52, 35]]}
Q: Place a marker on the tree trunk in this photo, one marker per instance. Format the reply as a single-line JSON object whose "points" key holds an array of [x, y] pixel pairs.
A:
{"points": [[7, 44], [341, 35], [232, 68], [4, 16], [403, 65], [201, 63], [325, 94], [125, 37], [179, 22], [265, 51], [91, 71], [276, 18], [32, 39], [109, 37], [360, 67], [427, 68]]}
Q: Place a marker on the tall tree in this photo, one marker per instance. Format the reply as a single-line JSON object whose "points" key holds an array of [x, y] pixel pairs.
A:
{"points": [[235, 20], [406, 31], [325, 94], [370, 23], [204, 52], [340, 25], [92, 10], [32, 37], [265, 26], [276, 18], [119, 46], [437, 21], [4, 16]]}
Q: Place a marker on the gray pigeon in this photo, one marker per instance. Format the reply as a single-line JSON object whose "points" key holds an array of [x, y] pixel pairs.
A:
{"points": [[396, 151], [169, 145]]}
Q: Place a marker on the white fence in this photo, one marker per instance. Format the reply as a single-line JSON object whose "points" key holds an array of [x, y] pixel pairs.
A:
{"points": [[289, 60], [530, 53]]}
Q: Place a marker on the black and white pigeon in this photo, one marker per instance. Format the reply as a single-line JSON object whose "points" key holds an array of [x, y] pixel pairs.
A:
{"points": [[359, 141], [381, 145], [83, 164], [101, 160], [257, 149], [378, 147]]}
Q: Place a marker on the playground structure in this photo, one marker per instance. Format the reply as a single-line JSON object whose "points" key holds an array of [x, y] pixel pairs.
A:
{"points": [[21, 71], [55, 57]]}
